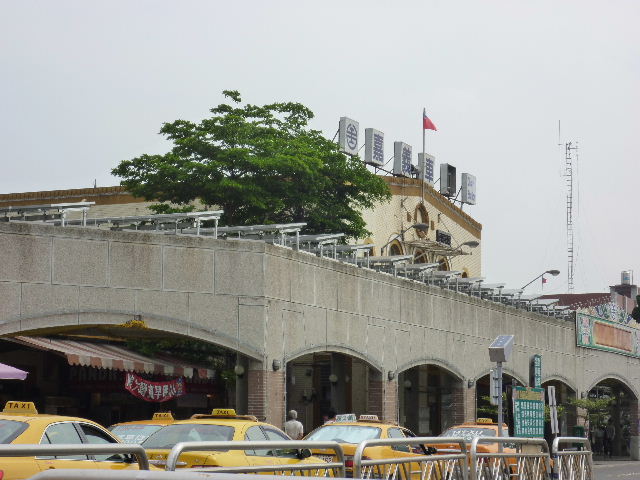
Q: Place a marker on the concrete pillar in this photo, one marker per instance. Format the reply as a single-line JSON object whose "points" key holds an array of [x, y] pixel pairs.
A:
{"points": [[459, 394], [390, 400], [374, 393], [470, 402]]}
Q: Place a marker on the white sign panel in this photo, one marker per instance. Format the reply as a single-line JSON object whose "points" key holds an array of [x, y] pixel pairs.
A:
{"points": [[373, 147], [468, 189], [426, 163], [402, 154], [348, 136]]}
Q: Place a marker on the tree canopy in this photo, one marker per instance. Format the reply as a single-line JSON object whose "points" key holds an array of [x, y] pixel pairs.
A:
{"points": [[260, 164]]}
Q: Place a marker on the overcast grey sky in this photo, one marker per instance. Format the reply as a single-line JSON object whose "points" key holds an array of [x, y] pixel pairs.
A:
{"points": [[86, 84]]}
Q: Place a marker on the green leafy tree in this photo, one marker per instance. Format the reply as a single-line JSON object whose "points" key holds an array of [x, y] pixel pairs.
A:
{"points": [[260, 164], [595, 411]]}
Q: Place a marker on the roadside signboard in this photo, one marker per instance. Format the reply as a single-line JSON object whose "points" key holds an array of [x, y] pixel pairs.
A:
{"points": [[528, 412], [535, 371]]}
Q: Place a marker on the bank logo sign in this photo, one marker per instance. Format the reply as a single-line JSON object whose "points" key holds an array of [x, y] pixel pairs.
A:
{"points": [[602, 334], [348, 136]]}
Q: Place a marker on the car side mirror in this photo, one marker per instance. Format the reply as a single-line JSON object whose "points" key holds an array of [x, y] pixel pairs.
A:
{"points": [[303, 453]]}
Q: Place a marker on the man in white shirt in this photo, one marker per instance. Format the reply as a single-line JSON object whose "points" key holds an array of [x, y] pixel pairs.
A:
{"points": [[293, 427]]}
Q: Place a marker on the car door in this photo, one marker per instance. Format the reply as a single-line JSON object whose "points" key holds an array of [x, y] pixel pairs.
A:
{"points": [[93, 435], [281, 456], [258, 457], [64, 433], [409, 470]]}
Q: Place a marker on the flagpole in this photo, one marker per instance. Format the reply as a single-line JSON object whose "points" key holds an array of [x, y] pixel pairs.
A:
{"points": [[424, 151]]}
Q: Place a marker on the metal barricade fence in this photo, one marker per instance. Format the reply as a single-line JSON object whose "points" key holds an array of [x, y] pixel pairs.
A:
{"points": [[514, 464], [37, 450], [324, 469], [421, 466], [64, 474], [572, 464]]}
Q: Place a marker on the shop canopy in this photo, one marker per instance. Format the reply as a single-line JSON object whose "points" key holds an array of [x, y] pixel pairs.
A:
{"points": [[8, 372], [102, 355]]}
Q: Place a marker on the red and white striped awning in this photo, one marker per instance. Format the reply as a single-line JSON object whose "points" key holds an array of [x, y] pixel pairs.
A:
{"points": [[102, 355]]}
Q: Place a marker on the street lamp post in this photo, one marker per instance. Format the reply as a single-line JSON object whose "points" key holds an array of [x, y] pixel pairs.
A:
{"points": [[555, 273], [500, 351], [422, 227]]}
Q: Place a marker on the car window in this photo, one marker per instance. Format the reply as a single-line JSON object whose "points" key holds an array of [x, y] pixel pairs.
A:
{"points": [[168, 436], [255, 434], [277, 436], [344, 433], [62, 433], [10, 429], [134, 433], [95, 436], [397, 433]]}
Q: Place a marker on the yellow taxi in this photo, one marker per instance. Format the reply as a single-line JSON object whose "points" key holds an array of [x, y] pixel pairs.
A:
{"points": [[222, 425], [482, 427], [138, 431], [349, 431], [20, 423]]}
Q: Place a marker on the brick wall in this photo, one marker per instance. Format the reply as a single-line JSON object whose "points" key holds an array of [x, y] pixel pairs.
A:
{"points": [[266, 396]]}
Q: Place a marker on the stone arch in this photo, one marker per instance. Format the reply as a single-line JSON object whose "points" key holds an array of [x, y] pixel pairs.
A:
{"points": [[619, 378], [431, 396], [505, 371], [127, 323], [338, 349], [562, 379]]}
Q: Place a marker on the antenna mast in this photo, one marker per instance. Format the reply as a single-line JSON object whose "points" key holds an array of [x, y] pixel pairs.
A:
{"points": [[568, 174]]}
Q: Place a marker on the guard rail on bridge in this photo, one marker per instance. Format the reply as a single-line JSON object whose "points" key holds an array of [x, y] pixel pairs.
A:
{"points": [[37, 450], [575, 463], [428, 466], [334, 469]]}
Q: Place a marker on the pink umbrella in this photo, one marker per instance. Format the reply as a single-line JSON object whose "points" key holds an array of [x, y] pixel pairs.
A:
{"points": [[11, 373]]}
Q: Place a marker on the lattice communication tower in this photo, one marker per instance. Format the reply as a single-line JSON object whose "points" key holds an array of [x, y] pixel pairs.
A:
{"points": [[568, 174]]}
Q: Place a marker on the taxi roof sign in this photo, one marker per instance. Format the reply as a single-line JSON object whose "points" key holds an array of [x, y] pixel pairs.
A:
{"points": [[162, 416], [21, 408], [224, 412], [369, 418], [346, 417], [485, 420]]}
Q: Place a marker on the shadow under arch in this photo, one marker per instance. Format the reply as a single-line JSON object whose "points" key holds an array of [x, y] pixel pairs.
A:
{"points": [[556, 377], [430, 396], [124, 325], [505, 371], [615, 377], [328, 348]]}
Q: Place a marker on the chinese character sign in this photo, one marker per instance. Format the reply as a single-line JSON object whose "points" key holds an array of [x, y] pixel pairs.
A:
{"points": [[373, 147], [425, 167], [153, 391], [528, 412], [402, 159], [468, 189], [348, 136]]}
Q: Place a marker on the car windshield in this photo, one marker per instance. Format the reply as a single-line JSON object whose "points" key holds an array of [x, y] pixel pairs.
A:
{"points": [[469, 433], [344, 433], [168, 436], [135, 433], [10, 429]]}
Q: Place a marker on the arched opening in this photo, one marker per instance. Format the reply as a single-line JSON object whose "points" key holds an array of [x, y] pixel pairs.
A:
{"points": [[395, 248], [485, 409], [443, 264], [421, 216], [420, 256], [430, 400], [613, 424], [567, 413], [320, 382]]}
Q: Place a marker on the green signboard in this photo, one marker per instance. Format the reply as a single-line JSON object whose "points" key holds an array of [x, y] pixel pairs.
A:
{"points": [[528, 412], [535, 371]]}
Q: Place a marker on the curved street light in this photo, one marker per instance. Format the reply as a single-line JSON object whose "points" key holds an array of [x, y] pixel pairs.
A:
{"points": [[555, 273]]}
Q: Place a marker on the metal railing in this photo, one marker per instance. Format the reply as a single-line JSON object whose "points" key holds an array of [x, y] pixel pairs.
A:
{"points": [[574, 464], [514, 464], [334, 469], [420, 466], [17, 450], [94, 474]]}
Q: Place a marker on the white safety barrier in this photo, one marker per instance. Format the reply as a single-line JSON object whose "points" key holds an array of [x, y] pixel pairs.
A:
{"points": [[17, 450], [575, 462], [324, 469], [422, 465], [528, 459]]}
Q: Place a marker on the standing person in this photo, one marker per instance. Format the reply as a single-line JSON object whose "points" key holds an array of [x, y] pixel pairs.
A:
{"points": [[293, 427], [609, 436]]}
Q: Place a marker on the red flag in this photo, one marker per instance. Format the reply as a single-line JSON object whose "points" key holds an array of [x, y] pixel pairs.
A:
{"points": [[544, 280], [427, 124]]}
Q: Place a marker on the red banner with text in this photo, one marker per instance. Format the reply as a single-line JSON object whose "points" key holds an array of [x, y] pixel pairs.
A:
{"points": [[153, 391]]}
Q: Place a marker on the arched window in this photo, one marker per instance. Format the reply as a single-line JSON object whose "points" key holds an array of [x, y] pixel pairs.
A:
{"points": [[420, 256], [395, 248], [421, 216], [443, 264]]}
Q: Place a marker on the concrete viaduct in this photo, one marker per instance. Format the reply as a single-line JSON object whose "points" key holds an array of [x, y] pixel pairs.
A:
{"points": [[273, 305]]}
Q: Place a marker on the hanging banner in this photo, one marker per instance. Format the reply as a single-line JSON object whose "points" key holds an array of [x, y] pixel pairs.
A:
{"points": [[153, 391]]}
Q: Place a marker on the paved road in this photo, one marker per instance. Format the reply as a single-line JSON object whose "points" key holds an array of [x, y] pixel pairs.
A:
{"points": [[619, 470]]}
